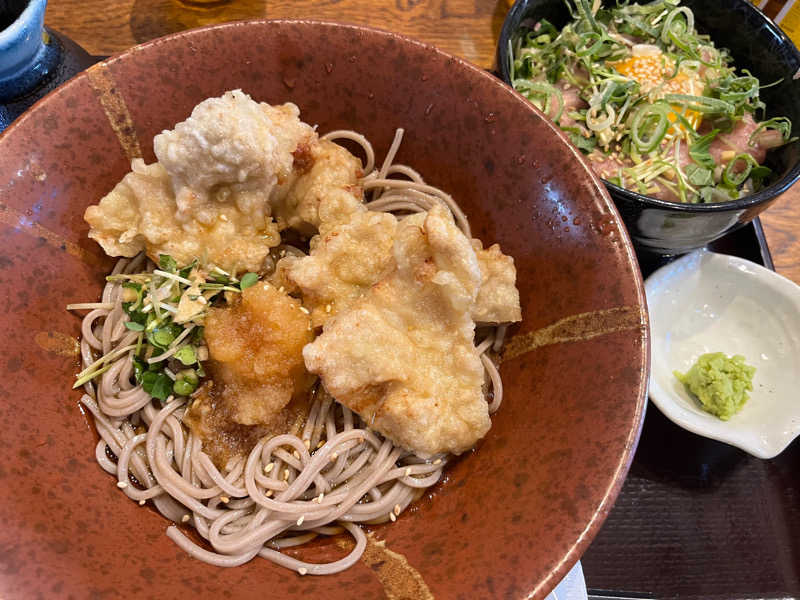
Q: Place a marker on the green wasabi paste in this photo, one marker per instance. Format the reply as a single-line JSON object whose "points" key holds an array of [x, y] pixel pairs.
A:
{"points": [[719, 383]]}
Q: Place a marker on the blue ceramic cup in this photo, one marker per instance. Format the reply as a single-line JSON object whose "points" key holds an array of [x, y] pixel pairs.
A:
{"points": [[34, 60], [27, 52]]}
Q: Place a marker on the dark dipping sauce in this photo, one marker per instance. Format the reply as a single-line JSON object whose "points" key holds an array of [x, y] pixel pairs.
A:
{"points": [[212, 414]]}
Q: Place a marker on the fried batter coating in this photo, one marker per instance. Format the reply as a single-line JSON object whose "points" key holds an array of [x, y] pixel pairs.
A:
{"points": [[256, 363], [498, 297], [208, 197], [139, 213], [344, 263], [232, 144], [324, 193], [403, 356]]}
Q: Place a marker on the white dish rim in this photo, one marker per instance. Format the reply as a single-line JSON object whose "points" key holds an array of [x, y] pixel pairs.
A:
{"points": [[711, 427]]}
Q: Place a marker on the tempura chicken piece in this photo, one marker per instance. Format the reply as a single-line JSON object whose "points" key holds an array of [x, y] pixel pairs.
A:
{"points": [[344, 263], [325, 191], [498, 297], [208, 197], [139, 213], [403, 356], [232, 145], [256, 364]]}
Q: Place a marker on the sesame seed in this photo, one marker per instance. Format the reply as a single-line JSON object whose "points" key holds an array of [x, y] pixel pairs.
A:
{"points": [[397, 509], [282, 253], [327, 308], [286, 474], [307, 443], [300, 520], [296, 454], [202, 300], [142, 502], [281, 289], [185, 518], [224, 499], [408, 471], [392, 517], [224, 217], [438, 461], [122, 485], [334, 456], [302, 570], [269, 467], [303, 309], [320, 497], [268, 494]]}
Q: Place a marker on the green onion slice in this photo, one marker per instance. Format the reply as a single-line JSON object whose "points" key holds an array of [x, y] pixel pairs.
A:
{"points": [[650, 125], [781, 124], [589, 43], [599, 123], [701, 104], [735, 179], [542, 95], [739, 89], [674, 27]]}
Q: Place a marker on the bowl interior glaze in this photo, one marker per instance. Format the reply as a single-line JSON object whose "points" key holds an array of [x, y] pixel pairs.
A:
{"points": [[756, 44], [510, 518]]}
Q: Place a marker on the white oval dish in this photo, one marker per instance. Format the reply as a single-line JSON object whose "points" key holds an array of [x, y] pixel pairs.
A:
{"points": [[708, 302]]}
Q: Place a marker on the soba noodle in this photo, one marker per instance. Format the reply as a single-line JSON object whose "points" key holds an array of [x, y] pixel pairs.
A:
{"points": [[289, 489]]}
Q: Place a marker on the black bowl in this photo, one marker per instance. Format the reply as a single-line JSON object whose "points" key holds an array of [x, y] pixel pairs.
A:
{"points": [[756, 44]]}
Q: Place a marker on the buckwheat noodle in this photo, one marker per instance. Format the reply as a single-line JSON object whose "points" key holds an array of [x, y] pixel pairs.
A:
{"points": [[289, 489]]}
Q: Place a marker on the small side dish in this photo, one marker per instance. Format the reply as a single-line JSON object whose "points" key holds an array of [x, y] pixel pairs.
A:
{"points": [[705, 301], [653, 103]]}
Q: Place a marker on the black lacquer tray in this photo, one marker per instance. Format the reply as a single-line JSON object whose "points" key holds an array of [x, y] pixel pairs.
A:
{"points": [[697, 518]]}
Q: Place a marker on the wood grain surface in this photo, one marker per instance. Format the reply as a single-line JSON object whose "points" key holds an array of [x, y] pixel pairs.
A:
{"points": [[466, 28]]}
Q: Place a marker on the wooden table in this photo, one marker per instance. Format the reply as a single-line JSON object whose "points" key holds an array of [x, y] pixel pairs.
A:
{"points": [[466, 28]]}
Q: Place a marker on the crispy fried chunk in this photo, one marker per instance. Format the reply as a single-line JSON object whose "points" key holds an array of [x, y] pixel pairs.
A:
{"points": [[403, 356], [324, 192], [344, 263], [208, 197], [498, 297]]}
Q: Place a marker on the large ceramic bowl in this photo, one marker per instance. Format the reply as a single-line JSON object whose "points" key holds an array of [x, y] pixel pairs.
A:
{"points": [[510, 518], [756, 44]]}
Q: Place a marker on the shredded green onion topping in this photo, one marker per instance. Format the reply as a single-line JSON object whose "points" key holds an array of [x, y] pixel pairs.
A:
{"points": [[674, 133], [166, 306]]}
